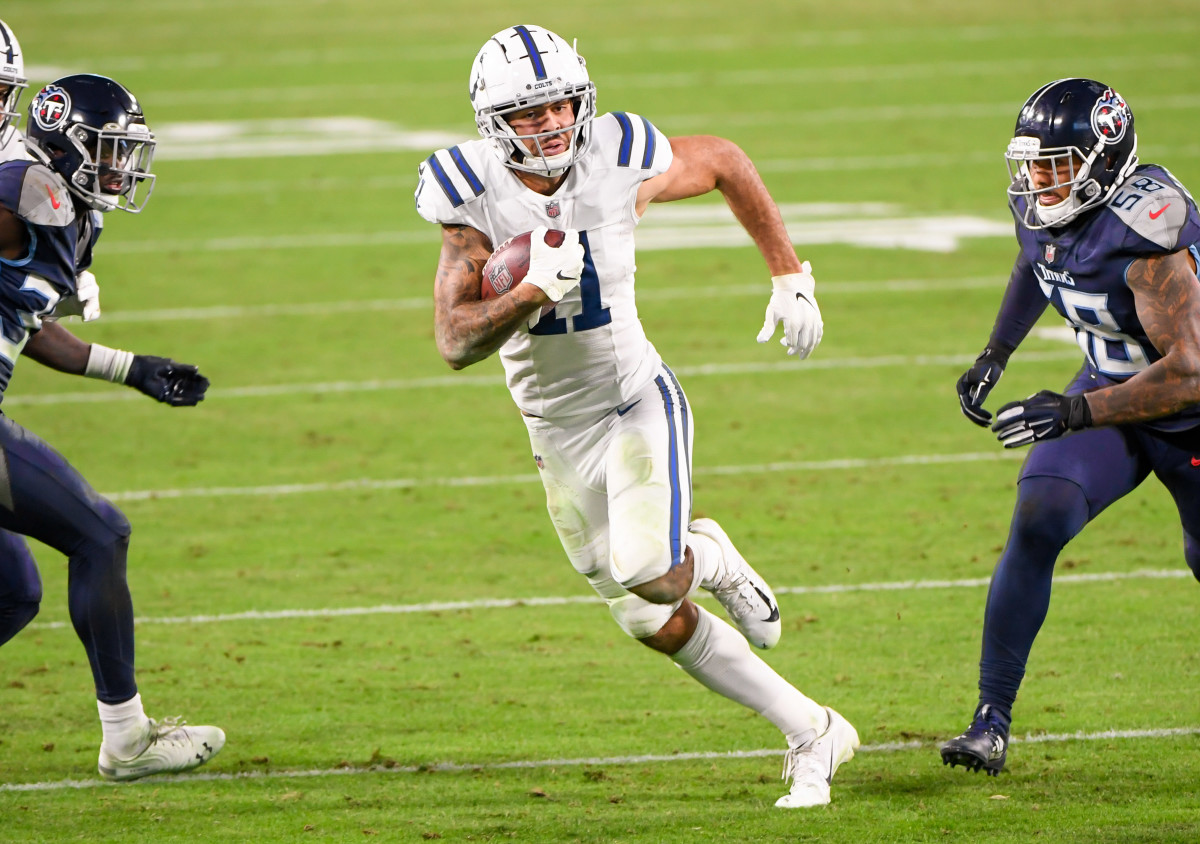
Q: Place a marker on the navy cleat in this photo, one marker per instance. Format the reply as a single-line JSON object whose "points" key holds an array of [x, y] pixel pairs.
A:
{"points": [[983, 745]]}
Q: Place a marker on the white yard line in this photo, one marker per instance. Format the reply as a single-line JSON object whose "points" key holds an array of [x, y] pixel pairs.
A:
{"points": [[589, 761], [791, 367], [568, 600]]}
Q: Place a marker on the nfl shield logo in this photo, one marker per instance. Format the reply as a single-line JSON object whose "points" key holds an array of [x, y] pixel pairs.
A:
{"points": [[537, 458], [552, 209], [1049, 253]]}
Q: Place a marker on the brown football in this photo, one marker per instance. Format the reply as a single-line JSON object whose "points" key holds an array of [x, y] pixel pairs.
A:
{"points": [[509, 264]]}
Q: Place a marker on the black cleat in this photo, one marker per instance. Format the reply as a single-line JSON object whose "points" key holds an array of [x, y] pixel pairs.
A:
{"points": [[983, 745]]}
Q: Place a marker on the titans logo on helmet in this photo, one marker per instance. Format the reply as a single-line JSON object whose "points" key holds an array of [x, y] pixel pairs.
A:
{"points": [[1110, 117], [51, 107]]}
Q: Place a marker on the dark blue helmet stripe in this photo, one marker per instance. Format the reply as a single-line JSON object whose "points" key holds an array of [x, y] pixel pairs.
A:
{"points": [[626, 138], [444, 180], [465, 169], [8, 43], [648, 157], [535, 58]]}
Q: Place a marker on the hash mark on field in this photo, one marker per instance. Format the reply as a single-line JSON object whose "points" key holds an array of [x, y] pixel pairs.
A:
{"points": [[564, 600], [526, 764]]}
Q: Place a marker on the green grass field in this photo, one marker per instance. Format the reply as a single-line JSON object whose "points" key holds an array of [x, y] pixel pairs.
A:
{"points": [[343, 558]]}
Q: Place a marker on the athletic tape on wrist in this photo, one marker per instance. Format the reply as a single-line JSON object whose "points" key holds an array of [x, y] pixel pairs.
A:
{"points": [[108, 364]]}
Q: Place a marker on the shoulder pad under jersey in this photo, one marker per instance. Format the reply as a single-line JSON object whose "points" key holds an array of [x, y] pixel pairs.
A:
{"points": [[36, 194], [446, 182], [625, 139], [1154, 206]]}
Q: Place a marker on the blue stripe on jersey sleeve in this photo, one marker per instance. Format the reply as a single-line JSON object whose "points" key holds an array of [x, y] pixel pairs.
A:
{"points": [[626, 138], [463, 167], [648, 157], [444, 180]]}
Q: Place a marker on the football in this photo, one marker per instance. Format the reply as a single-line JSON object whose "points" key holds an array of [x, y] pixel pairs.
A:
{"points": [[508, 265]]}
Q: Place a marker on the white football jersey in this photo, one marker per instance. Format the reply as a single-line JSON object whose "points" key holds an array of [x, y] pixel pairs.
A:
{"points": [[14, 149], [590, 354]]}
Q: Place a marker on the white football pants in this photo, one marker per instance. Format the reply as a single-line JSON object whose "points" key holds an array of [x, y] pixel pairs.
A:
{"points": [[619, 492]]}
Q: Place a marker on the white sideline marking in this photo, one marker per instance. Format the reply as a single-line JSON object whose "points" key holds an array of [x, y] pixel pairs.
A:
{"points": [[596, 761], [497, 380], [565, 600]]}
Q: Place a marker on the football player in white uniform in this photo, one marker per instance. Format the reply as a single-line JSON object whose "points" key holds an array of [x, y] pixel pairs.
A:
{"points": [[12, 82], [609, 424]]}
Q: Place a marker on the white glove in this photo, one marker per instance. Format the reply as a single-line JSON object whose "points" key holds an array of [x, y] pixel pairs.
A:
{"points": [[794, 303], [84, 302], [555, 270]]}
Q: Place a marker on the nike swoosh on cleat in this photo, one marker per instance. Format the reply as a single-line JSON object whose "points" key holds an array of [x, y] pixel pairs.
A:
{"points": [[774, 616]]}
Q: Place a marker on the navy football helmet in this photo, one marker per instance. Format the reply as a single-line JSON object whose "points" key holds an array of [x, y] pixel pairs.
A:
{"points": [[1079, 127], [91, 130]]}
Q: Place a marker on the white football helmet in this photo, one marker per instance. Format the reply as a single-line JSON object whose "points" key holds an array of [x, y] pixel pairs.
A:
{"points": [[12, 76], [525, 66]]}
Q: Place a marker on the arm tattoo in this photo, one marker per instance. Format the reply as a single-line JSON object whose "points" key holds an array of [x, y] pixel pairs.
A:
{"points": [[1168, 305], [467, 329]]}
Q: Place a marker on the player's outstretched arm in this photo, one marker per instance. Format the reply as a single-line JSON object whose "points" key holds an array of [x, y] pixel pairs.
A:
{"points": [[1168, 306], [467, 328], [703, 163], [164, 380]]}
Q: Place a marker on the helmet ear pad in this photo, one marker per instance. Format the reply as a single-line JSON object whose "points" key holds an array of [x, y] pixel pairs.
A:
{"points": [[65, 158]]}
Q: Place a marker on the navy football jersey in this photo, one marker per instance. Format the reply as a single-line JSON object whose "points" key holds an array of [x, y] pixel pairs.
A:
{"points": [[60, 242], [1081, 268]]}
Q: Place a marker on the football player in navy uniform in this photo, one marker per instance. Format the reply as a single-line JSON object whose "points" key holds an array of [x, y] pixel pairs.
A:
{"points": [[609, 425], [91, 152], [1113, 246]]}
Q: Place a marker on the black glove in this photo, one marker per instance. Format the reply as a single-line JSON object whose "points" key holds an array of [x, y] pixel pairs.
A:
{"points": [[165, 380], [977, 382], [1042, 416]]}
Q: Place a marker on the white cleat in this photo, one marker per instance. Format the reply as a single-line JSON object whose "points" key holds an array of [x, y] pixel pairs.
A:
{"points": [[171, 747], [743, 593], [811, 768]]}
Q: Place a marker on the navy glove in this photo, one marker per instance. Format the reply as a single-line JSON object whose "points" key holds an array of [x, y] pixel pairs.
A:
{"points": [[1042, 416], [165, 380], [977, 382]]}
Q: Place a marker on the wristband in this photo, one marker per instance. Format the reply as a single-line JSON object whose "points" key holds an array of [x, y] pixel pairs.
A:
{"points": [[108, 364]]}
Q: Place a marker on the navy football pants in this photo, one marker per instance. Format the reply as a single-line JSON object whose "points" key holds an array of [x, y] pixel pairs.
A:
{"points": [[1064, 484], [43, 496]]}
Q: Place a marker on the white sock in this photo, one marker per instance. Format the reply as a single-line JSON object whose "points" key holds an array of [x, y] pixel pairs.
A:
{"points": [[708, 562], [124, 726], [720, 658]]}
